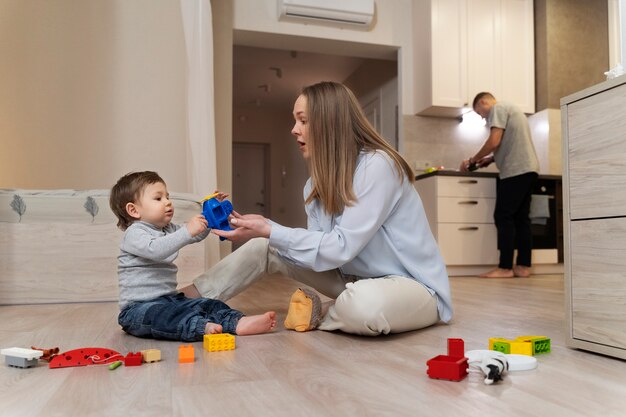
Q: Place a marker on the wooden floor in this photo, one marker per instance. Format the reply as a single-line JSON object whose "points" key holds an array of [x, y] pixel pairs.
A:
{"points": [[317, 373]]}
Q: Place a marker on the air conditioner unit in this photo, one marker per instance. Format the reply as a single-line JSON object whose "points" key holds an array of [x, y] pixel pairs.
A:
{"points": [[353, 12]]}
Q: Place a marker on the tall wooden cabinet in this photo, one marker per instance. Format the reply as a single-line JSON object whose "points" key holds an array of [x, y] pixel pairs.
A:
{"points": [[594, 187], [464, 47]]}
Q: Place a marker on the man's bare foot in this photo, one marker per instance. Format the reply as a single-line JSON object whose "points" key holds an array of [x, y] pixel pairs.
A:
{"points": [[212, 328], [521, 271], [261, 323], [498, 273]]}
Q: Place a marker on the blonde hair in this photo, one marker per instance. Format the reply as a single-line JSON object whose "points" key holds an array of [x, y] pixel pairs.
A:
{"points": [[338, 132]]}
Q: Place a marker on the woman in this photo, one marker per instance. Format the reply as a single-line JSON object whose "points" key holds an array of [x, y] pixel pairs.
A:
{"points": [[367, 245]]}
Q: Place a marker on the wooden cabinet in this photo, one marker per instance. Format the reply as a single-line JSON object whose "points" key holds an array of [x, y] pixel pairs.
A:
{"points": [[464, 47], [460, 214], [593, 123]]}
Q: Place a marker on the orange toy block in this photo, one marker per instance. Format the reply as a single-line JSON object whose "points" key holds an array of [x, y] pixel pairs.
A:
{"points": [[186, 354]]}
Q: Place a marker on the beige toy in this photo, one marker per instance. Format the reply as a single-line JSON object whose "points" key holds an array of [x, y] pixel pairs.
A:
{"points": [[305, 311]]}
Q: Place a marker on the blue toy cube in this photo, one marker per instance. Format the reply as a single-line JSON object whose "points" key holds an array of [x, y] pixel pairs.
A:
{"points": [[217, 213]]}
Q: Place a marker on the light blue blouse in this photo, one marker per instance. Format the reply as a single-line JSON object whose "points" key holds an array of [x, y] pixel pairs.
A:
{"points": [[385, 232]]}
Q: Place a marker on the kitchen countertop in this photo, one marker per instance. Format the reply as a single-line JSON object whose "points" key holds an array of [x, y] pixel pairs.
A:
{"points": [[474, 174]]}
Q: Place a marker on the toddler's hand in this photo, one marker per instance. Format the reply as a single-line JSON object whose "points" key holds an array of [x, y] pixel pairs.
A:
{"points": [[220, 195], [196, 225]]}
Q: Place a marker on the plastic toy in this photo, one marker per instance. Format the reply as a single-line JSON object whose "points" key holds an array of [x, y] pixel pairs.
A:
{"points": [[489, 362], [133, 359], [510, 346], [453, 366], [21, 357], [151, 355], [540, 344], [48, 354], [522, 345], [219, 342], [217, 212], [115, 365], [186, 354], [84, 357]]}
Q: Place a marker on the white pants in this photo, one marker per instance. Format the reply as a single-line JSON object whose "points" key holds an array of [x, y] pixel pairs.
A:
{"points": [[368, 307]]}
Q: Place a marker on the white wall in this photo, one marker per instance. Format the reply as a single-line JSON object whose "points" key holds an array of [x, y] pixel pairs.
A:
{"points": [[91, 90]]}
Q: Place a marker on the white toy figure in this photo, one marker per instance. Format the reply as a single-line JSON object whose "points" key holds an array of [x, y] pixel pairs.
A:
{"points": [[491, 363]]}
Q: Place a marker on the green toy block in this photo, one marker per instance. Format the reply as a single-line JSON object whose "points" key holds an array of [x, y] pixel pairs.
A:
{"points": [[540, 344]]}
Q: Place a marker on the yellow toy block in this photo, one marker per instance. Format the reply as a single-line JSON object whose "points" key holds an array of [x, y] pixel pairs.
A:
{"points": [[218, 342], [151, 355], [186, 354], [511, 346]]}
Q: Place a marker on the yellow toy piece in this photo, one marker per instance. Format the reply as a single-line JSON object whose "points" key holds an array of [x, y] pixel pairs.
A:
{"points": [[305, 309], [208, 197], [151, 355], [511, 346], [219, 342]]}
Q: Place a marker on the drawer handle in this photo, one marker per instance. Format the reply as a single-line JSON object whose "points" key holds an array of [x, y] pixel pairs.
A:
{"points": [[471, 202], [470, 228], [468, 181]]}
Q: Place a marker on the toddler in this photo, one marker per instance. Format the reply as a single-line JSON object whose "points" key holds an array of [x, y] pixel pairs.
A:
{"points": [[150, 305]]}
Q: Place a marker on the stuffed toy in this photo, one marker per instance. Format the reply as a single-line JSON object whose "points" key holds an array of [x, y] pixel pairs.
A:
{"points": [[305, 311], [491, 363]]}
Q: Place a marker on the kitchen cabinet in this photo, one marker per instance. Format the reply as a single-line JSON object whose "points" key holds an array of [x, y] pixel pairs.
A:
{"points": [[594, 173], [459, 207], [460, 215], [463, 47]]}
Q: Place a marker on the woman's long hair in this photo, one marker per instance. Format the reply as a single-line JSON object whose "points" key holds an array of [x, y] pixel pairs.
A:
{"points": [[338, 132]]}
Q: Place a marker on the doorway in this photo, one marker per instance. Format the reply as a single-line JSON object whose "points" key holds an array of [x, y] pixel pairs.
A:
{"points": [[266, 82], [250, 178]]}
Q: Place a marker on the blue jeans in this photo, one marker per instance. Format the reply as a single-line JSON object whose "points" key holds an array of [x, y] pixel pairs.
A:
{"points": [[176, 317]]}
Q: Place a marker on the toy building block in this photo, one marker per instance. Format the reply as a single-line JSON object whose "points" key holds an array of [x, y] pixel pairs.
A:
{"points": [[510, 346], [186, 354], [218, 342], [151, 355], [540, 344], [20, 357], [452, 366], [133, 359], [216, 212]]}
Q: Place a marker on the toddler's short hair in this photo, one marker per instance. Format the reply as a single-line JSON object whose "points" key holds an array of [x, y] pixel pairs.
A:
{"points": [[128, 189]]}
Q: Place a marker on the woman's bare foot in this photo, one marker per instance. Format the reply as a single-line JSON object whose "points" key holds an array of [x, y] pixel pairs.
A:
{"points": [[498, 273], [212, 328], [261, 323], [521, 271]]}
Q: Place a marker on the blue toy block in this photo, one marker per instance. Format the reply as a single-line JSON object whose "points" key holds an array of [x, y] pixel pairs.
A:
{"points": [[217, 213]]}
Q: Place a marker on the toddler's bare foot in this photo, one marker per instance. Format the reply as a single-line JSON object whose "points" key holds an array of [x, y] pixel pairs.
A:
{"points": [[261, 323], [498, 273], [212, 328], [521, 271]]}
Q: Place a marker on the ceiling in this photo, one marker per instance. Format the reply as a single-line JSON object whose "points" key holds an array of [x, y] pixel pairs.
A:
{"points": [[272, 78]]}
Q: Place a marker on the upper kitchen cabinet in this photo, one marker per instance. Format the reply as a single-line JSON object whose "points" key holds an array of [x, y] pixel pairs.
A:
{"points": [[463, 47]]}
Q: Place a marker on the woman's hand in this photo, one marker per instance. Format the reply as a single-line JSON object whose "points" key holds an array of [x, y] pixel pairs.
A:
{"points": [[245, 227]]}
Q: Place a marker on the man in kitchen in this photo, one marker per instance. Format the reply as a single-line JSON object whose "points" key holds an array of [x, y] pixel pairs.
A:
{"points": [[510, 146]]}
